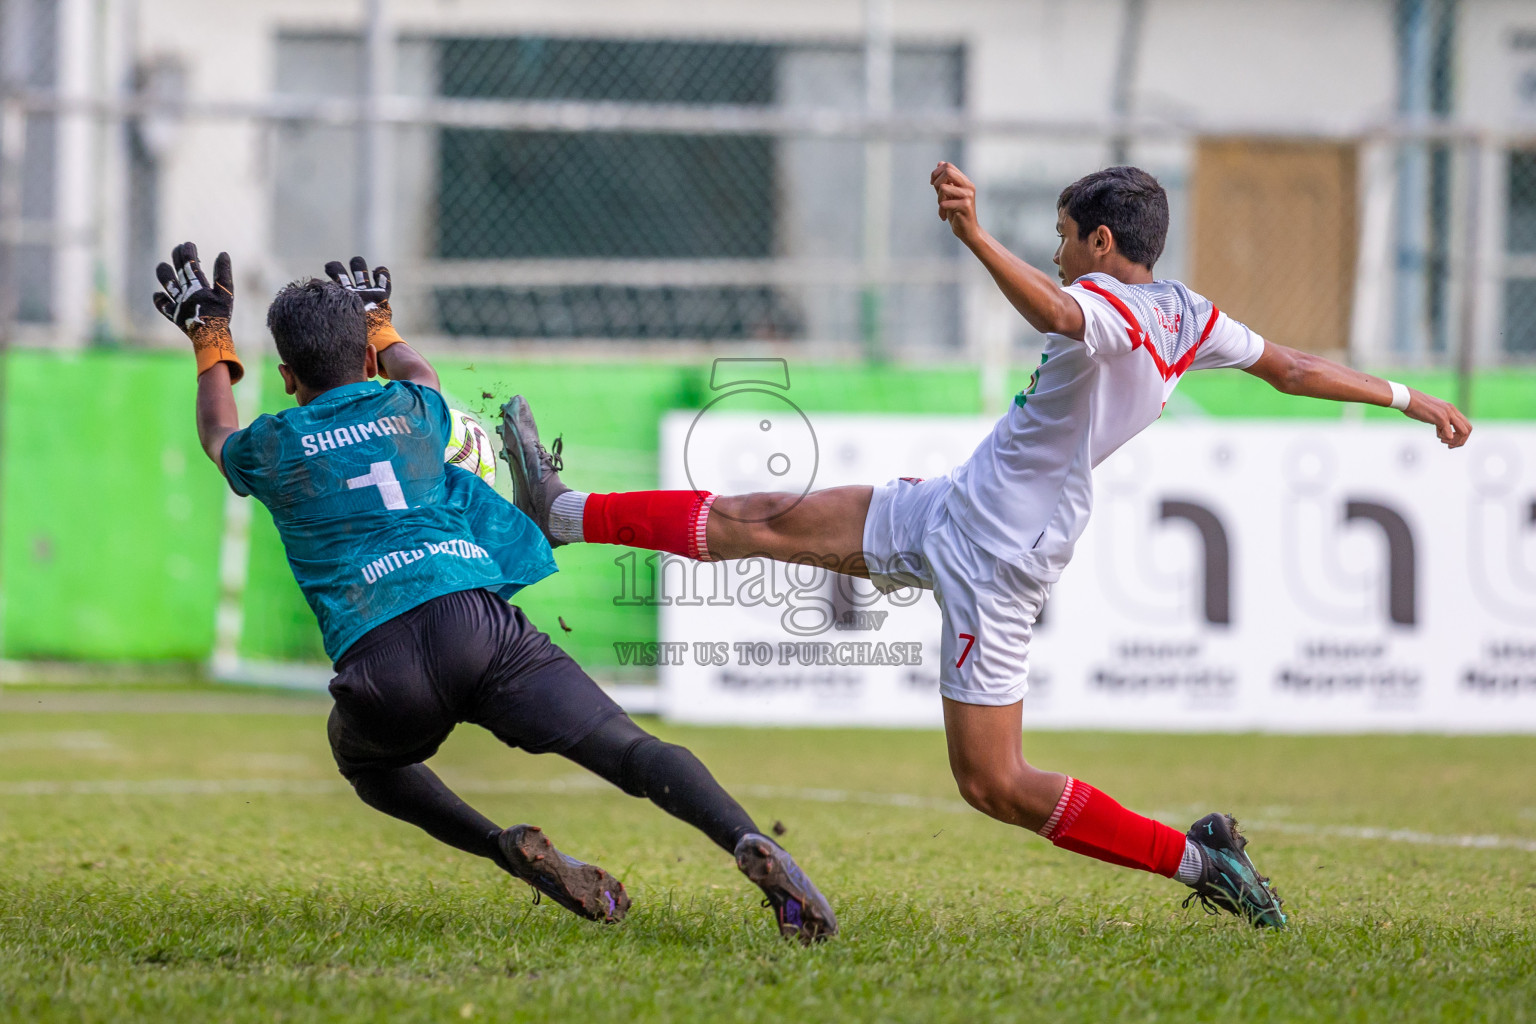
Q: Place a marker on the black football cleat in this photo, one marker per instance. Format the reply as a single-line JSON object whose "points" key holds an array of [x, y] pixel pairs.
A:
{"points": [[583, 889], [1229, 881], [535, 469], [801, 911]]}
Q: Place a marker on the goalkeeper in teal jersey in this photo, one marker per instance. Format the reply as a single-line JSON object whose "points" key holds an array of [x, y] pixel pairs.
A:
{"points": [[407, 563], [372, 522]]}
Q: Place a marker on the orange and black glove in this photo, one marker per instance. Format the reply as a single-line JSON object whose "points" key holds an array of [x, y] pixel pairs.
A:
{"points": [[374, 291], [199, 309]]}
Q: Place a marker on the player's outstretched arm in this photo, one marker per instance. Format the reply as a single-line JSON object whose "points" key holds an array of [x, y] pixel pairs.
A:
{"points": [[201, 311], [397, 360], [1301, 373], [1040, 300]]}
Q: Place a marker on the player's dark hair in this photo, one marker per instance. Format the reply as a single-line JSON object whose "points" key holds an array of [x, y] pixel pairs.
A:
{"points": [[321, 333], [1129, 202]]}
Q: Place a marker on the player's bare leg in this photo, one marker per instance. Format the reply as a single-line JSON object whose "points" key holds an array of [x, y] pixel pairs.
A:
{"points": [[826, 527], [986, 756]]}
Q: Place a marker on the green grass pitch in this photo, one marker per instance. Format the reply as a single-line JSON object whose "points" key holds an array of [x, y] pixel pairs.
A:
{"points": [[190, 856]]}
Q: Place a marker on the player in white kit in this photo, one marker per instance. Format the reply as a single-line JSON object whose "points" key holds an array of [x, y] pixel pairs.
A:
{"points": [[991, 538]]}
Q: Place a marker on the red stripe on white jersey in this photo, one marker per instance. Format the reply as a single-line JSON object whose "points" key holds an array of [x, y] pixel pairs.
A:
{"points": [[1139, 336]]}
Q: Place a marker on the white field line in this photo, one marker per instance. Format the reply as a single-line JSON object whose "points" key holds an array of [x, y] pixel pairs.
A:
{"points": [[170, 787], [68, 741], [848, 796], [591, 784], [1396, 835]]}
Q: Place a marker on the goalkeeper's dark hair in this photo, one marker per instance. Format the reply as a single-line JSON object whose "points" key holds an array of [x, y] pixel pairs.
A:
{"points": [[320, 331], [1129, 202]]}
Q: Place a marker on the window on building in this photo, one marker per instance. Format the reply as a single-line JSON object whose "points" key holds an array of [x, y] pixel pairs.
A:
{"points": [[33, 262], [521, 195], [1520, 283]]}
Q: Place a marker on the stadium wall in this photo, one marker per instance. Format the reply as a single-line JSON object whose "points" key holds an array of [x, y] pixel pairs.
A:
{"points": [[109, 541]]}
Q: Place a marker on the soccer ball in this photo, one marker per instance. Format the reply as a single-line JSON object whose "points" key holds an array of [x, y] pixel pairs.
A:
{"points": [[469, 447]]}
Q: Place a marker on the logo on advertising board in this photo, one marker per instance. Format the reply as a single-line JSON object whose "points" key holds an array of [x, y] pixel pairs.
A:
{"points": [[1352, 569], [1501, 556], [1165, 573]]}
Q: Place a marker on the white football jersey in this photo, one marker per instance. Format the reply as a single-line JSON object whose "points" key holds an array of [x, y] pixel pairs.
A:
{"points": [[1026, 493]]}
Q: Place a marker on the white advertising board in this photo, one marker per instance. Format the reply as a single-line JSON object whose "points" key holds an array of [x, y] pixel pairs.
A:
{"points": [[1291, 576]]}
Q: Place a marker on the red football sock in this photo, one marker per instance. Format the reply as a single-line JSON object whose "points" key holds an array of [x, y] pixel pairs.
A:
{"points": [[1089, 822], [659, 520]]}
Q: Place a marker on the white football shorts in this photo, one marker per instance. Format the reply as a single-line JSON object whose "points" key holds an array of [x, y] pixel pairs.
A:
{"points": [[989, 606]]}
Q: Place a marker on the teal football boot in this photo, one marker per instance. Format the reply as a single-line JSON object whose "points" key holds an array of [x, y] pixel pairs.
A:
{"points": [[1229, 881]]}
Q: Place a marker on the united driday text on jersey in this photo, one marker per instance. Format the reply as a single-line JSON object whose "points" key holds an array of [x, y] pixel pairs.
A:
{"points": [[386, 564]]}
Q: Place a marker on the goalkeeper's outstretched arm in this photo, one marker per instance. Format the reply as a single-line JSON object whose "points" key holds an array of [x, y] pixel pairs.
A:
{"points": [[1300, 373], [217, 416], [401, 362], [201, 309]]}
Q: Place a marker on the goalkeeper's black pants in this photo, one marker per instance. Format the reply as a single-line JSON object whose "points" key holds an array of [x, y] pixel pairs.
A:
{"points": [[471, 657]]}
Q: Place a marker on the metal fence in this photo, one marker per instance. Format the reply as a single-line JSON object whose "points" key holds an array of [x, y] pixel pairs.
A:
{"points": [[540, 192]]}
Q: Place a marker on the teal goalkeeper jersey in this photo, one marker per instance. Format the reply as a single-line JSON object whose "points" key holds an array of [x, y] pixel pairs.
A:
{"points": [[373, 521]]}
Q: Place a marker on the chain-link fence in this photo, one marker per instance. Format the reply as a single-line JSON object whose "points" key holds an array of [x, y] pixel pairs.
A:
{"points": [[534, 190]]}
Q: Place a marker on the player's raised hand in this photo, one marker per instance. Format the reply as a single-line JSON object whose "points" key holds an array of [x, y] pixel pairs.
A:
{"points": [[373, 288], [1450, 425], [201, 310], [957, 199]]}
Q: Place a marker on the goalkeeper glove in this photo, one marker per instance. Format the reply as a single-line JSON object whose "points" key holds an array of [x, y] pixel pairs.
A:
{"points": [[199, 309], [374, 291]]}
